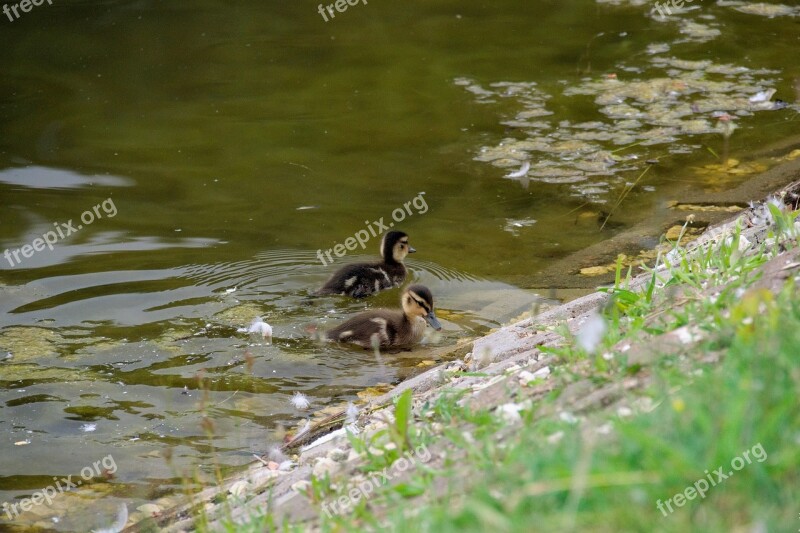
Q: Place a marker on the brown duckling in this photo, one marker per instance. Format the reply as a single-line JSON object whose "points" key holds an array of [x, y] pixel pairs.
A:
{"points": [[389, 328], [363, 279]]}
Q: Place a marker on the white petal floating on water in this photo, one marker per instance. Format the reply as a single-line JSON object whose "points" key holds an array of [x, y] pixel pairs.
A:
{"points": [[228, 291], [526, 166], [88, 428], [762, 96], [300, 401], [119, 523], [592, 332], [514, 225]]}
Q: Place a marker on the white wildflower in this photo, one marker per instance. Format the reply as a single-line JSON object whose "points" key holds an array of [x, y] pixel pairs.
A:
{"points": [[510, 412]]}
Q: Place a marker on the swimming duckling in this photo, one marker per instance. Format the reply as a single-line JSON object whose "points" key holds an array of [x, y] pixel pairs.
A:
{"points": [[391, 328], [362, 279]]}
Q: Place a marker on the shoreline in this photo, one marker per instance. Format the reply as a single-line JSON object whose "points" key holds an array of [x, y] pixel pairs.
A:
{"points": [[502, 356]]}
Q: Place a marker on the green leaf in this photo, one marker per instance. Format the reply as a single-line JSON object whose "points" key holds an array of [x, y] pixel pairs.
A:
{"points": [[408, 490], [402, 415]]}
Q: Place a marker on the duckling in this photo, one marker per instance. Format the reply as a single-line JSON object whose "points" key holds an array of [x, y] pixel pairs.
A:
{"points": [[363, 279], [388, 328]]}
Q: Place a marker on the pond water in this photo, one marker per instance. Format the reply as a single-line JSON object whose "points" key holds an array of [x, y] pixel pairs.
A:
{"points": [[187, 164]]}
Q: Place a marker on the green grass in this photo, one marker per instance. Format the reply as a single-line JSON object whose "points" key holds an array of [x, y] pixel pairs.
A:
{"points": [[607, 472], [747, 400]]}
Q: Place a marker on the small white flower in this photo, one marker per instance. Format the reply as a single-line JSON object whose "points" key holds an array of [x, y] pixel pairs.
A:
{"points": [[567, 417], [510, 412], [300, 401]]}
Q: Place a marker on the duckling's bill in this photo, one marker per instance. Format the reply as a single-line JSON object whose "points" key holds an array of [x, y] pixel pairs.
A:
{"points": [[431, 319]]}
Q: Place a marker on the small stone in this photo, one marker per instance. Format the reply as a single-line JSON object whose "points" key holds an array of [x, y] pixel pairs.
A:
{"points": [[624, 412], [301, 487], [150, 510], [325, 466], [239, 488], [337, 454], [595, 271], [542, 373], [352, 456]]}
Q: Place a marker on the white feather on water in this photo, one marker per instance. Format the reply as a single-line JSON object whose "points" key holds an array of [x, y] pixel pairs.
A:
{"points": [[526, 166], [119, 523], [300, 401], [258, 326]]}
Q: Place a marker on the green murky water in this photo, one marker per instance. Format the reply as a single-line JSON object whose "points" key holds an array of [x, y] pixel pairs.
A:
{"points": [[222, 145]]}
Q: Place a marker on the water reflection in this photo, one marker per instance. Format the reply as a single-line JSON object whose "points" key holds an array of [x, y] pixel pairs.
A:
{"points": [[235, 142]]}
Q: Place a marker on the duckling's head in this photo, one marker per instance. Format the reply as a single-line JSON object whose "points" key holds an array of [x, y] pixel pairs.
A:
{"points": [[395, 247], [418, 301]]}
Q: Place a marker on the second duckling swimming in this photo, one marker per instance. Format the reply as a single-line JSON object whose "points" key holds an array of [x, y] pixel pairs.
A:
{"points": [[387, 328], [363, 279]]}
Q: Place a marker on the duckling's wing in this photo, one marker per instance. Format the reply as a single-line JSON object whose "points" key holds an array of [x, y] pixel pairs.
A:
{"points": [[358, 280], [342, 279], [370, 328]]}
